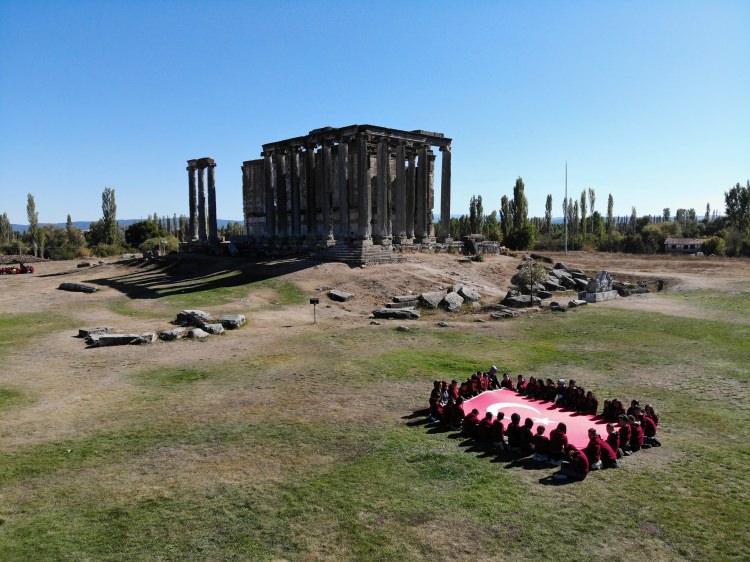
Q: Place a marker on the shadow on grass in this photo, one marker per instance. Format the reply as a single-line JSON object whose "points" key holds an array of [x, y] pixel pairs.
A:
{"points": [[191, 274]]}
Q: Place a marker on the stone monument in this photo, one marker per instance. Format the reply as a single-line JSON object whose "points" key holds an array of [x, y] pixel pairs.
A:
{"points": [[599, 288]]}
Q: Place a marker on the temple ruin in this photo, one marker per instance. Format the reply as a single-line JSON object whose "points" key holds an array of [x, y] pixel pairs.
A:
{"points": [[202, 226], [354, 193]]}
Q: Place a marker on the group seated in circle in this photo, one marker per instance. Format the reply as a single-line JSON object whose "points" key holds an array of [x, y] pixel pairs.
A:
{"points": [[628, 431]]}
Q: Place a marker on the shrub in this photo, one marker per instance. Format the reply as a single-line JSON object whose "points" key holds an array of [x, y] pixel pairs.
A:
{"points": [[715, 245]]}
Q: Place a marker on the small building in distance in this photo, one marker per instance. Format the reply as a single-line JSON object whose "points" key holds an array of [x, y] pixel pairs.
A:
{"points": [[683, 245]]}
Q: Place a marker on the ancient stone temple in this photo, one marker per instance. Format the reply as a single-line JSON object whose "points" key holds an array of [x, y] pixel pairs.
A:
{"points": [[354, 187], [202, 220]]}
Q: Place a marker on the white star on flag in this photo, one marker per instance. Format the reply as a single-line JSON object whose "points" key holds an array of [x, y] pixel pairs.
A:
{"points": [[543, 421]]}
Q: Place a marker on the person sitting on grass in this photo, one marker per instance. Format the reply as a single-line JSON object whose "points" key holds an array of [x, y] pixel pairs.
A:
{"points": [[520, 384], [526, 437], [575, 466], [484, 430], [475, 385], [593, 450], [625, 434], [465, 390], [444, 394], [634, 407], [608, 454], [453, 389], [506, 382], [636, 434], [530, 388], [613, 440], [650, 412], [484, 381], [550, 391], [498, 431], [557, 442], [591, 405], [649, 431], [436, 406], [513, 432], [541, 445], [470, 424], [560, 393]]}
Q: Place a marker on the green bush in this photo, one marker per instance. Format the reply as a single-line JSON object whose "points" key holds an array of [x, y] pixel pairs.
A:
{"points": [[715, 246], [164, 244], [107, 250]]}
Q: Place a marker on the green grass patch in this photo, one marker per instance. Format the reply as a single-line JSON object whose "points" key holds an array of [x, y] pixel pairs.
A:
{"points": [[10, 397], [20, 329], [737, 302], [167, 377]]}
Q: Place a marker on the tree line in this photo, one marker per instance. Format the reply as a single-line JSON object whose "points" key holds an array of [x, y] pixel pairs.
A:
{"points": [[588, 228], [104, 237]]}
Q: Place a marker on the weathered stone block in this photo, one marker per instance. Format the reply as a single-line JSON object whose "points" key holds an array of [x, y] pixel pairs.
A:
{"points": [[173, 334], [339, 296], [396, 313], [195, 318], [405, 298], [576, 302], [198, 334], [86, 332], [232, 321], [432, 299], [469, 294], [404, 304], [452, 302], [215, 328], [77, 288]]}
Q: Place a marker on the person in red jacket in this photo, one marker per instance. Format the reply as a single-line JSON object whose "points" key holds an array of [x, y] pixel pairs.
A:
{"points": [[506, 382], [625, 434], [636, 434], [592, 404], [453, 389], [484, 431], [436, 406], [513, 432], [520, 384], [608, 454], [470, 424], [557, 442], [593, 450], [526, 437], [498, 432], [576, 465], [541, 445], [650, 412], [649, 431], [613, 440]]}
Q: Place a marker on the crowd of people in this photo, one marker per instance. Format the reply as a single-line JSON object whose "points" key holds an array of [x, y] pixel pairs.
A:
{"points": [[628, 430]]}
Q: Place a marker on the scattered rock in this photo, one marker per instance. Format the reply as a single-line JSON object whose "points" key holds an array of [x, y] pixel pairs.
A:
{"points": [[500, 315], [458, 287], [106, 340], [215, 328], [374, 323], [442, 324], [432, 299], [581, 284], [84, 264], [576, 302], [552, 285], [403, 328], [521, 301], [339, 296], [396, 313], [452, 302], [173, 334], [195, 318], [405, 298], [556, 307], [543, 294], [469, 294], [404, 304], [479, 320], [561, 265], [198, 334], [77, 288], [232, 321], [86, 332]]}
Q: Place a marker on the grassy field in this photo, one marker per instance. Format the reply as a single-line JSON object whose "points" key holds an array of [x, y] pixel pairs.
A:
{"points": [[309, 450]]}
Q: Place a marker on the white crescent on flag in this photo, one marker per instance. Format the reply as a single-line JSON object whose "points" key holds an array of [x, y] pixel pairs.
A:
{"points": [[497, 406]]}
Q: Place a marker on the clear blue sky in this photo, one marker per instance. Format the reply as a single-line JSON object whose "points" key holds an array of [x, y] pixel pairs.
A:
{"points": [[649, 101]]}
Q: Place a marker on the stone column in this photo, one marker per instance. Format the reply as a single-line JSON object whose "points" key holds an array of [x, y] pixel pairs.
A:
{"points": [[342, 171], [420, 199], [327, 191], [399, 229], [280, 159], [294, 172], [383, 183], [213, 227], [365, 190], [192, 202], [247, 203], [445, 194], [430, 194], [311, 200], [202, 236], [411, 187], [268, 176]]}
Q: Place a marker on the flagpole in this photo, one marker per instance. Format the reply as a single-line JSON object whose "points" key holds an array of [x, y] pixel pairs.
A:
{"points": [[565, 211]]}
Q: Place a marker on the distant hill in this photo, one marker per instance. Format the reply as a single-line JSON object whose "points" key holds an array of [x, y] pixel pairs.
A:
{"points": [[84, 225]]}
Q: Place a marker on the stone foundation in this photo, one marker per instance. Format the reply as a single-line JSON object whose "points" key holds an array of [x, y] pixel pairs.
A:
{"points": [[598, 296]]}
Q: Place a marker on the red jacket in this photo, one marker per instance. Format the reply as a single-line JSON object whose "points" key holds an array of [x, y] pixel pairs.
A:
{"points": [[470, 423], [593, 451], [636, 437], [625, 433], [580, 463], [557, 442], [608, 454], [497, 430], [649, 427], [541, 444], [613, 440]]}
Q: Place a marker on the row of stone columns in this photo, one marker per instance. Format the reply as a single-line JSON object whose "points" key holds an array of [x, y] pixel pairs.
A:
{"points": [[202, 221], [362, 188]]}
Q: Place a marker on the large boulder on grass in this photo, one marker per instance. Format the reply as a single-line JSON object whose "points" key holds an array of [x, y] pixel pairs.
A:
{"points": [[195, 318], [452, 302], [339, 296], [215, 328], [232, 321], [77, 288], [396, 313], [198, 334], [469, 294], [173, 334], [432, 299]]}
